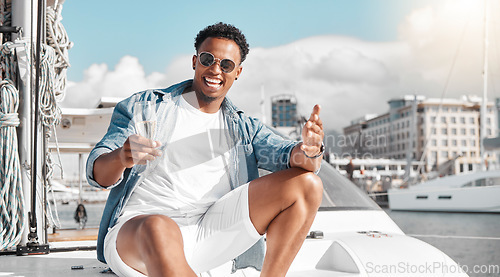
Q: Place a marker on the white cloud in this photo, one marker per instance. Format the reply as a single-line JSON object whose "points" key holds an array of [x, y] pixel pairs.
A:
{"points": [[435, 34], [336, 72], [127, 77], [347, 76]]}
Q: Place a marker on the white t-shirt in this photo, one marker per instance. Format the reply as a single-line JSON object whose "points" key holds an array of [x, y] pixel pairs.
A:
{"points": [[193, 171]]}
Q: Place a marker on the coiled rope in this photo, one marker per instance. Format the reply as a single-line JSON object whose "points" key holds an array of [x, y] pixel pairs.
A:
{"points": [[54, 62], [57, 38], [50, 115], [12, 217], [12, 221]]}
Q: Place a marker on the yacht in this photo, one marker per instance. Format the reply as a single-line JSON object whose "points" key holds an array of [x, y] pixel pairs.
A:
{"points": [[470, 192]]}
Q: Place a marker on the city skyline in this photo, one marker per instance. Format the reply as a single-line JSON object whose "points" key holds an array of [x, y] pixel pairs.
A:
{"points": [[437, 131]]}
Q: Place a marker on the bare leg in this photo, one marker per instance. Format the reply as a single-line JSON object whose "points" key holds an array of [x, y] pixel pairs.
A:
{"points": [[153, 245], [284, 205]]}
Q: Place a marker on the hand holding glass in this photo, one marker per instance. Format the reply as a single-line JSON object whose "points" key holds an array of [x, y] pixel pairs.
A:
{"points": [[145, 122]]}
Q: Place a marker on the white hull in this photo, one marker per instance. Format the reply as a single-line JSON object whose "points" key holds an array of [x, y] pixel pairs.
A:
{"points": [[450, 195], [365, 244], [464, 200]]}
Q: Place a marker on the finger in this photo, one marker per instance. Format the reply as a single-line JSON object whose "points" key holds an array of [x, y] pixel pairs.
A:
{"points": [[158, 144], [308, 124], [148, 149], [140, 140], [319, 122], [143, 158], [145, 141], [315, 128], [139, 150], [316, 110], [156, 150], [312, 139]]}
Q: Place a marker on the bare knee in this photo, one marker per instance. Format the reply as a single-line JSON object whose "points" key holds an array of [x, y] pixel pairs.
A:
{"points": [[312, 189], [143, 238], [157, 227]]}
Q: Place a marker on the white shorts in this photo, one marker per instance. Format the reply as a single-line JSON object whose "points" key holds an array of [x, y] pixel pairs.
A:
{"points": [[221, 234]]}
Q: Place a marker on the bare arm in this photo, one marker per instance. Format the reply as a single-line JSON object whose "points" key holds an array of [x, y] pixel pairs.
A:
{"points": [[312, 137], [109, 167]]}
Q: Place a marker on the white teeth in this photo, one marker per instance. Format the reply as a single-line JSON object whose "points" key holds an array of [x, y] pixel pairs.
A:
{"points": [[213, 85], [213, 81]]}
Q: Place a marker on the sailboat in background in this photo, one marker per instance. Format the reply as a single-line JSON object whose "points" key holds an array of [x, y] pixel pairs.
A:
{"points": [[472, 192]]}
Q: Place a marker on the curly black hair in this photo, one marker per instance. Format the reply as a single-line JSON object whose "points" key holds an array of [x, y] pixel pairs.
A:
{"points": [[223, 30]]}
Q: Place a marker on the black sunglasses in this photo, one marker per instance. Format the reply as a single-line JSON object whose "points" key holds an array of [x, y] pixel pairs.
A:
{"points": [[207, 59]]}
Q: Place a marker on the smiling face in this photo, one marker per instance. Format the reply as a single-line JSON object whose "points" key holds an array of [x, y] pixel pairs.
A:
{"points": [[210, 83]]}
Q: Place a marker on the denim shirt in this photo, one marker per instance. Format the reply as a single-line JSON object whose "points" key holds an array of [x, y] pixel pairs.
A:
{"points": [[253, 146]]}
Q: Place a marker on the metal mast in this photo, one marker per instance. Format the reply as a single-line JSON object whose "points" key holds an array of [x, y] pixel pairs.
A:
{"points": [[484, 104]]}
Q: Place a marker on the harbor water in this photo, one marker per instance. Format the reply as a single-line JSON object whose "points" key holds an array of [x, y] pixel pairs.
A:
{"points": [[472, 240]]}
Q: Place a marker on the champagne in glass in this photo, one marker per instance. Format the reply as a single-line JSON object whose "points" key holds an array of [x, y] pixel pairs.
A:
{"points": [[146, 128], [145, 119]]}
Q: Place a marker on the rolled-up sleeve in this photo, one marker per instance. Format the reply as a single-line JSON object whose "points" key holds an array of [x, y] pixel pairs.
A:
{"points": [[271, 150], [120, 128], [96, 153]]}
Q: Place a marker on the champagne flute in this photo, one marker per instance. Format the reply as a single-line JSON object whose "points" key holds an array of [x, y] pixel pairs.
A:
{"points": [[145, 120]]}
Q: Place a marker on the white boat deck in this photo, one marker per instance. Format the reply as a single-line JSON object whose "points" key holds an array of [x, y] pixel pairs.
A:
{"points": [[61, 263], [56, 264]]}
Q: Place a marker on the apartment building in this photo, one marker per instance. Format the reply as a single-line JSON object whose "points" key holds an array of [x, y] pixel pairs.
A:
{"points": [[497, 102], [284, 111], [443, 133]]}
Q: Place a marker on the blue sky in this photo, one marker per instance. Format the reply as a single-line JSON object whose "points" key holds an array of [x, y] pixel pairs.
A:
{"points": [[156, 31], [351, 56]]}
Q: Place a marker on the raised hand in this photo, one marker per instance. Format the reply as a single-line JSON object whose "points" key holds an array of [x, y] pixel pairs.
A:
{"points": [[312, 133]]}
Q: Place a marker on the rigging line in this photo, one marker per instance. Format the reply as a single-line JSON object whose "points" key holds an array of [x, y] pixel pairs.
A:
{"points": [[409, 191], [495, 49], [55, 222], [445, 89], [47, 210], [59, 165]]}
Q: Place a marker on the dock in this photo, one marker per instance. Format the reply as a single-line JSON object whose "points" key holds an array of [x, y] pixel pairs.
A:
{"points": [[74, 235]]}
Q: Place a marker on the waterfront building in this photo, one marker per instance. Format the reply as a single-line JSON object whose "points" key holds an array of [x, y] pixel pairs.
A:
{"points": [[444, 133], [285, 117], [284, 111], [497, 102]]}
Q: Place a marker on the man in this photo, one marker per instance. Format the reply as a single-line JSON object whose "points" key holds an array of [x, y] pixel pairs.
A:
{"points": [[191, 199]]}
